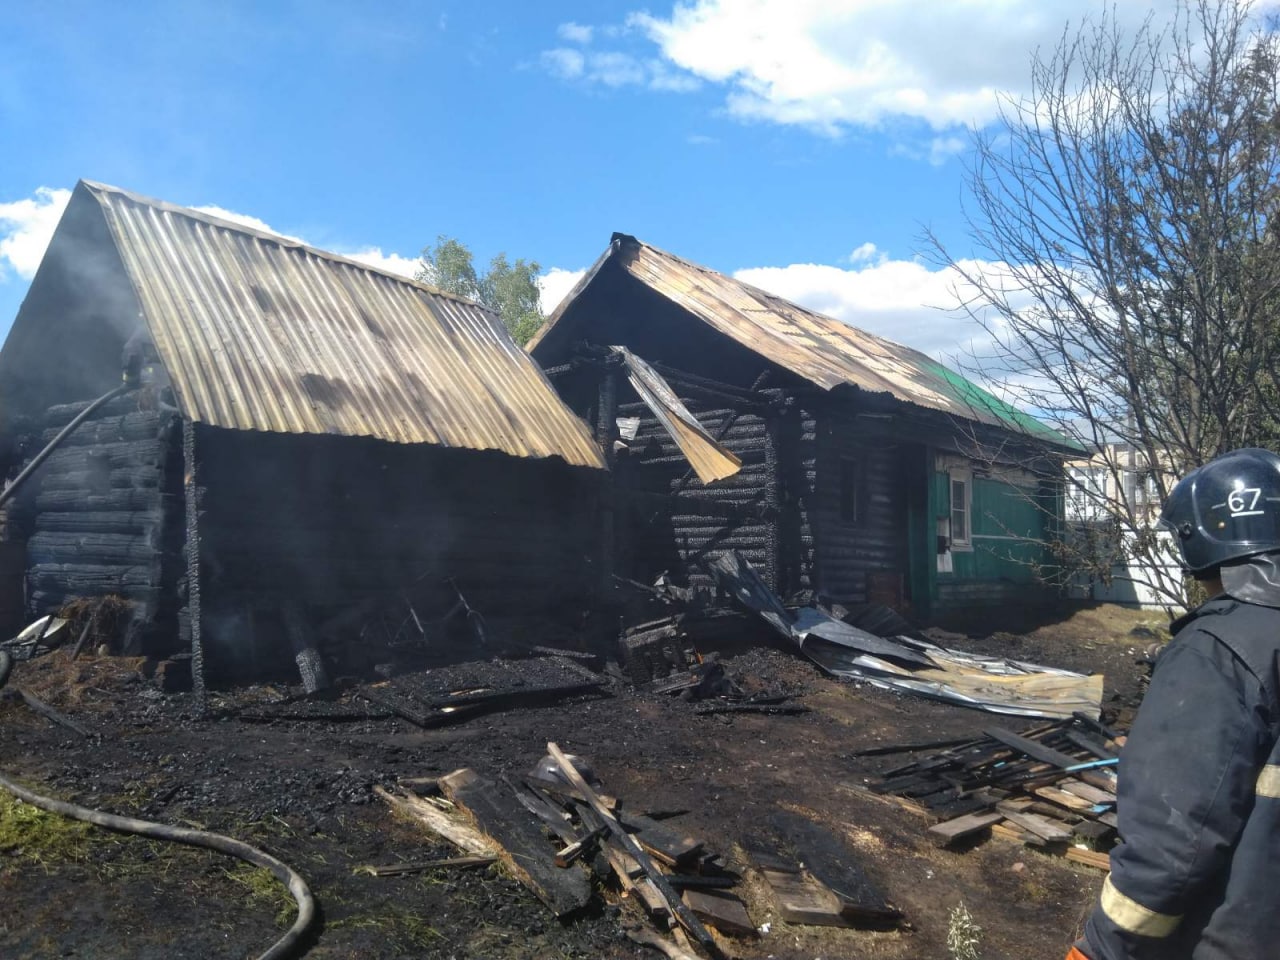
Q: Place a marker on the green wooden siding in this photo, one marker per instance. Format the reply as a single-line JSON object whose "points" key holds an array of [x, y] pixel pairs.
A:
{"points": [[1008, 532]]}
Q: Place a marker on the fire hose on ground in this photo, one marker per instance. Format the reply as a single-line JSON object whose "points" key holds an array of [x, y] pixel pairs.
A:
{"points": [[285, 947]]}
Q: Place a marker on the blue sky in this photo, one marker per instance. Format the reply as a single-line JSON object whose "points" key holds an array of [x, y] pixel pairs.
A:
{"points": [[804, 144]]}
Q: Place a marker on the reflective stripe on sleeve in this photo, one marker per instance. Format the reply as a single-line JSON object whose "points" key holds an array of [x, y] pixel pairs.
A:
{"points": [[1128, 914], [1269, 781]]}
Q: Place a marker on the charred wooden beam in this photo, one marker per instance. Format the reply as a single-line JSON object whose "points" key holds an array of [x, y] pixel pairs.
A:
{"points": [[193, 495]]}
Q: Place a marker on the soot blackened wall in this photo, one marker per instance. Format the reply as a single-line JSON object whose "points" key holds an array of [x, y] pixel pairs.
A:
{"points": [[859, 513], [103, 516], [332, 525]]}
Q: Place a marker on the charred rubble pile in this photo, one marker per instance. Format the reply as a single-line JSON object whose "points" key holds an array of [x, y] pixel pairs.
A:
{"points": [[573, 846]]}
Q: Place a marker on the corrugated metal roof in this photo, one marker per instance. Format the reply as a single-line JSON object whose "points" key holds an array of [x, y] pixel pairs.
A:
{"points": [[258, 332], [822, 350]]}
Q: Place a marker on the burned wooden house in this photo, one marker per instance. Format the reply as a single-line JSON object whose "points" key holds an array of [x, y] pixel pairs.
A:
{"points": [[837, 462], [305, 448]]}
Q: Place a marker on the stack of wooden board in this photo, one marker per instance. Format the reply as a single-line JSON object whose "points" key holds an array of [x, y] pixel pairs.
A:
{"points": [[1052, 787]]}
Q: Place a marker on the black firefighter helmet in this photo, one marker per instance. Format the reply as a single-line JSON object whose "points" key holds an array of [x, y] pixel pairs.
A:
{"points": [[1226, 510]]}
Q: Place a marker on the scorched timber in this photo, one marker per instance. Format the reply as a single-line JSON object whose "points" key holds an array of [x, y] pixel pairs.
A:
{"points": [[123, 499], [90, 548], [524, 848], [127, 429]]}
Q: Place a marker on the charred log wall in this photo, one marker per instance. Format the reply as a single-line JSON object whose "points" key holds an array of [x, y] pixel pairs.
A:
{"points": [[858, 510], [341, 528], [818, 505], [103, 516], [669, 520]]}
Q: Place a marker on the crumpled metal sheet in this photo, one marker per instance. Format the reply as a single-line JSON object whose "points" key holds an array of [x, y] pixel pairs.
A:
{"points": [[994, 684], [710, 460]]}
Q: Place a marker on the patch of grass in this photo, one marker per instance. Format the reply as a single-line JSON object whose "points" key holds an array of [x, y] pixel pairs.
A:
{"points": [[964, 936], [262, 887], [393, 923], [34, 836]]}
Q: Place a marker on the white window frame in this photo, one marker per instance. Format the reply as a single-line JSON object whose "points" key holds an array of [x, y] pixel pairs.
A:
{"points": [[956, 475]]}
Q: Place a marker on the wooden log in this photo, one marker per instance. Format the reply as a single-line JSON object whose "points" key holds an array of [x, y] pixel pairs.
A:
{"points": [[1064, 799], [1089, 857], [553, 816], [1009, 831], [721, 910], [1095, 747], [1086, 791], [63, 413], [91, 579], [1032, 748], [460, 834], [127, 499], [833, 862], [90, 548], [572, 851], [670, 846], [418, 866], [801, 899], [1093, 831], [1035, 824], [42, 708], [629, 844], [945, 834], [650, 939], [137, 453], [523, 848], [115, 429], [122, 478]]}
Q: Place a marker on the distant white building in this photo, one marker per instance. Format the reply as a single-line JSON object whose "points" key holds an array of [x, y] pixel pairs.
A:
{"points": [[1101, 495]]}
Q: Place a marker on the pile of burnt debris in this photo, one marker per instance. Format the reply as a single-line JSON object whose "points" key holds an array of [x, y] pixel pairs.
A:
{"points": [[569, 843], [1052, 787]]}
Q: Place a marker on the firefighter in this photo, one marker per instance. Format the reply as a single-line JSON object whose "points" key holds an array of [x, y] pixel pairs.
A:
{"points": [[1198, 872]]}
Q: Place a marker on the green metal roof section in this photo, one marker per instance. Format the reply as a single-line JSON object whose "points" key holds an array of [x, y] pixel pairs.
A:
{"points": [[993, 407]]}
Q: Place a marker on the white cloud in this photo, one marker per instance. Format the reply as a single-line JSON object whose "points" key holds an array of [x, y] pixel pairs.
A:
{"points": [[253, 223], [554, 286], [575, 32], [942, 149], [866, 251], [830, 64], [390, 262], [615, 69], [563, 62], [663, 77], [26, 226], [902, 300]]}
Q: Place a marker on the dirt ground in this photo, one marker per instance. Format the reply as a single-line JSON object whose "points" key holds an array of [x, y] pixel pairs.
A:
{"points": [[303, 789]]}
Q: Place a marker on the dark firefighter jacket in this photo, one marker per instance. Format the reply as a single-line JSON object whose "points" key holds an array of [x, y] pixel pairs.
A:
{"points": [[1198, 872]]}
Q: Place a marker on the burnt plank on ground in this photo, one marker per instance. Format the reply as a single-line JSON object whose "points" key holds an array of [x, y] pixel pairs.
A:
{"points": [[524, 847], [834, 862]]}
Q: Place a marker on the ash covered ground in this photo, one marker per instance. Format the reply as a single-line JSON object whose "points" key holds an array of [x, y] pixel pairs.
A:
{"points": [[303, 789]]}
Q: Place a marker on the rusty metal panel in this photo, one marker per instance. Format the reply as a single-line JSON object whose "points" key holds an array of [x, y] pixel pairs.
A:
{"points": [[258, 332]]}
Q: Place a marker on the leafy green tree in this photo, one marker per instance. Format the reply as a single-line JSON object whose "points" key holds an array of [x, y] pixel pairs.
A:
{"points": [[508, 288]]}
